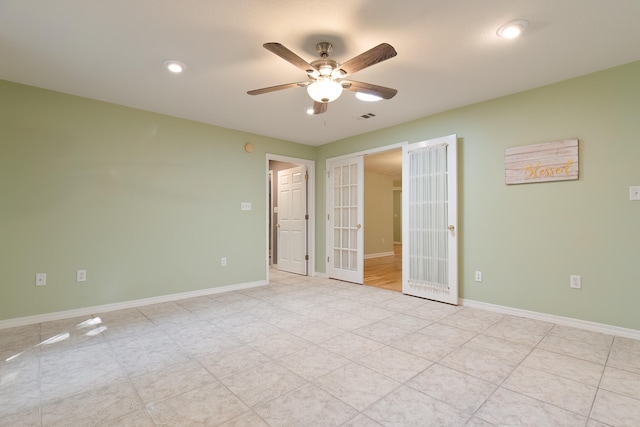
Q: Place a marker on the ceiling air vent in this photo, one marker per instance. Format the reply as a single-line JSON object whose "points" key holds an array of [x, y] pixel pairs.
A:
{"points": [[367, 116]]}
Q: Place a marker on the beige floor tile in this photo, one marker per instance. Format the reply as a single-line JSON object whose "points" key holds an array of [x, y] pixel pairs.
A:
{"points": [[26, 418], [137, 419], [562, 392], [92, 407], [351, 346], [395, 364], [361, 420], [565, 366], [279, 345], [427, 347], [621, 382], [479, 364], [356, 385], [616, 409], [408, 407], [381, 332], [313, 362], [212, 404], [508, 408], [233, 360], [305, 406], [461, 391], [502, 349], [80, 369], [593, 353], [248, 419], [311, 350], [263, 383], [171, 381], [510, 333], [625, 355]]}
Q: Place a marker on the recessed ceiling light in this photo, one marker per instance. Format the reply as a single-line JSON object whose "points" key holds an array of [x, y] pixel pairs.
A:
{"points": [[367, 97], [174, 66], [512, 29]]}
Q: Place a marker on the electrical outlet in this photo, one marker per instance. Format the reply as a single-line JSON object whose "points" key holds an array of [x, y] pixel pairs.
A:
{"points": [[41, 279], [478, 277], [81, 276], [223, 262], [576, 282]]}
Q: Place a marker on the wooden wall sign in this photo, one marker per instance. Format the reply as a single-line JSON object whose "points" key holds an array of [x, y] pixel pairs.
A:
{"points": [[549, 161]]}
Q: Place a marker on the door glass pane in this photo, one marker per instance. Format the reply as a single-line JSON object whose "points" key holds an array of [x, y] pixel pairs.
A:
{"points": [[353, 265], [354, 174]]}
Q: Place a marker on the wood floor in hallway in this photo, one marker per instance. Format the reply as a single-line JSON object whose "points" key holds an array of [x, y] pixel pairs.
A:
{"points": [[385, 272]]}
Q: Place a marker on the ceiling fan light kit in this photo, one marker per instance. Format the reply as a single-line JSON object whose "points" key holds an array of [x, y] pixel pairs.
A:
{"points": [[324, 89], [327, 77]]}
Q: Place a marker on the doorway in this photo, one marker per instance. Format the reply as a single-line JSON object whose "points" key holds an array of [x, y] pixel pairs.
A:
{"points": [[383, 220], [290, 224], [360, 213]]}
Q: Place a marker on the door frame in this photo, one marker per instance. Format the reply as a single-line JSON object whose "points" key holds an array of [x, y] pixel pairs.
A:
{"points": [[311, 208], [328, 232]]}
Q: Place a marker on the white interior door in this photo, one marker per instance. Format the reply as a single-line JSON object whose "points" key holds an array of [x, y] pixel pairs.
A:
{"points": [[292, 222], [345, 236], [429, 219]]}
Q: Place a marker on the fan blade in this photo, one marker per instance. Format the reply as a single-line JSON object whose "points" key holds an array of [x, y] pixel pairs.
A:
{"points": [[275, 88], [289, 56], [380, 53], [319, 107], [381, 91]]}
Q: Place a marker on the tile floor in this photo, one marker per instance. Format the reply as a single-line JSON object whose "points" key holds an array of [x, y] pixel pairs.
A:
{"points": [[314, 352]]}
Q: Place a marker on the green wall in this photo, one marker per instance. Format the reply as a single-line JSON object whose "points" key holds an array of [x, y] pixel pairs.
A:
{"points": [[528, 239], [146, 203]]}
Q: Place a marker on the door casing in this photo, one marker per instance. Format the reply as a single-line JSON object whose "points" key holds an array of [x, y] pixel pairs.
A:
{"points": [[311, 168]]}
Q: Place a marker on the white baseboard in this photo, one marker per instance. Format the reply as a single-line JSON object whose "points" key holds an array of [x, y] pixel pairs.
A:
{"points": [[565, 321], [87, 311], [379, 255]]}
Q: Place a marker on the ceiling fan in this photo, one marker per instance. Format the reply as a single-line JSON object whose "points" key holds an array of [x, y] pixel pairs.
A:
{"points": [[327, 77]]}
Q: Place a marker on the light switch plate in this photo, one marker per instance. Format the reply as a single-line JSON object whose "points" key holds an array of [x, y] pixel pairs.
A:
{"points": [[634, 193], [245, 206]]}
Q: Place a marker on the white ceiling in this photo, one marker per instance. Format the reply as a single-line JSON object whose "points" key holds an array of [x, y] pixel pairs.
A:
{"points": [[448, 54]]}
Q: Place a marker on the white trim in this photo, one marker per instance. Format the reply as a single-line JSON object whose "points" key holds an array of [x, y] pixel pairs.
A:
{"points": [[379, 255], [560, 320], [368, 152], [96, 309]]}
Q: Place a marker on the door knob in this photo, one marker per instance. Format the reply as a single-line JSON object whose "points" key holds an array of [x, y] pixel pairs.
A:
{"points": [[451, 228], [359, 226]]}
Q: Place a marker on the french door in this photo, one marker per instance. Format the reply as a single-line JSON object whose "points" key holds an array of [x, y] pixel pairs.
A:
{"points": [[292, 220], [345, 236], [429, 219]]}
